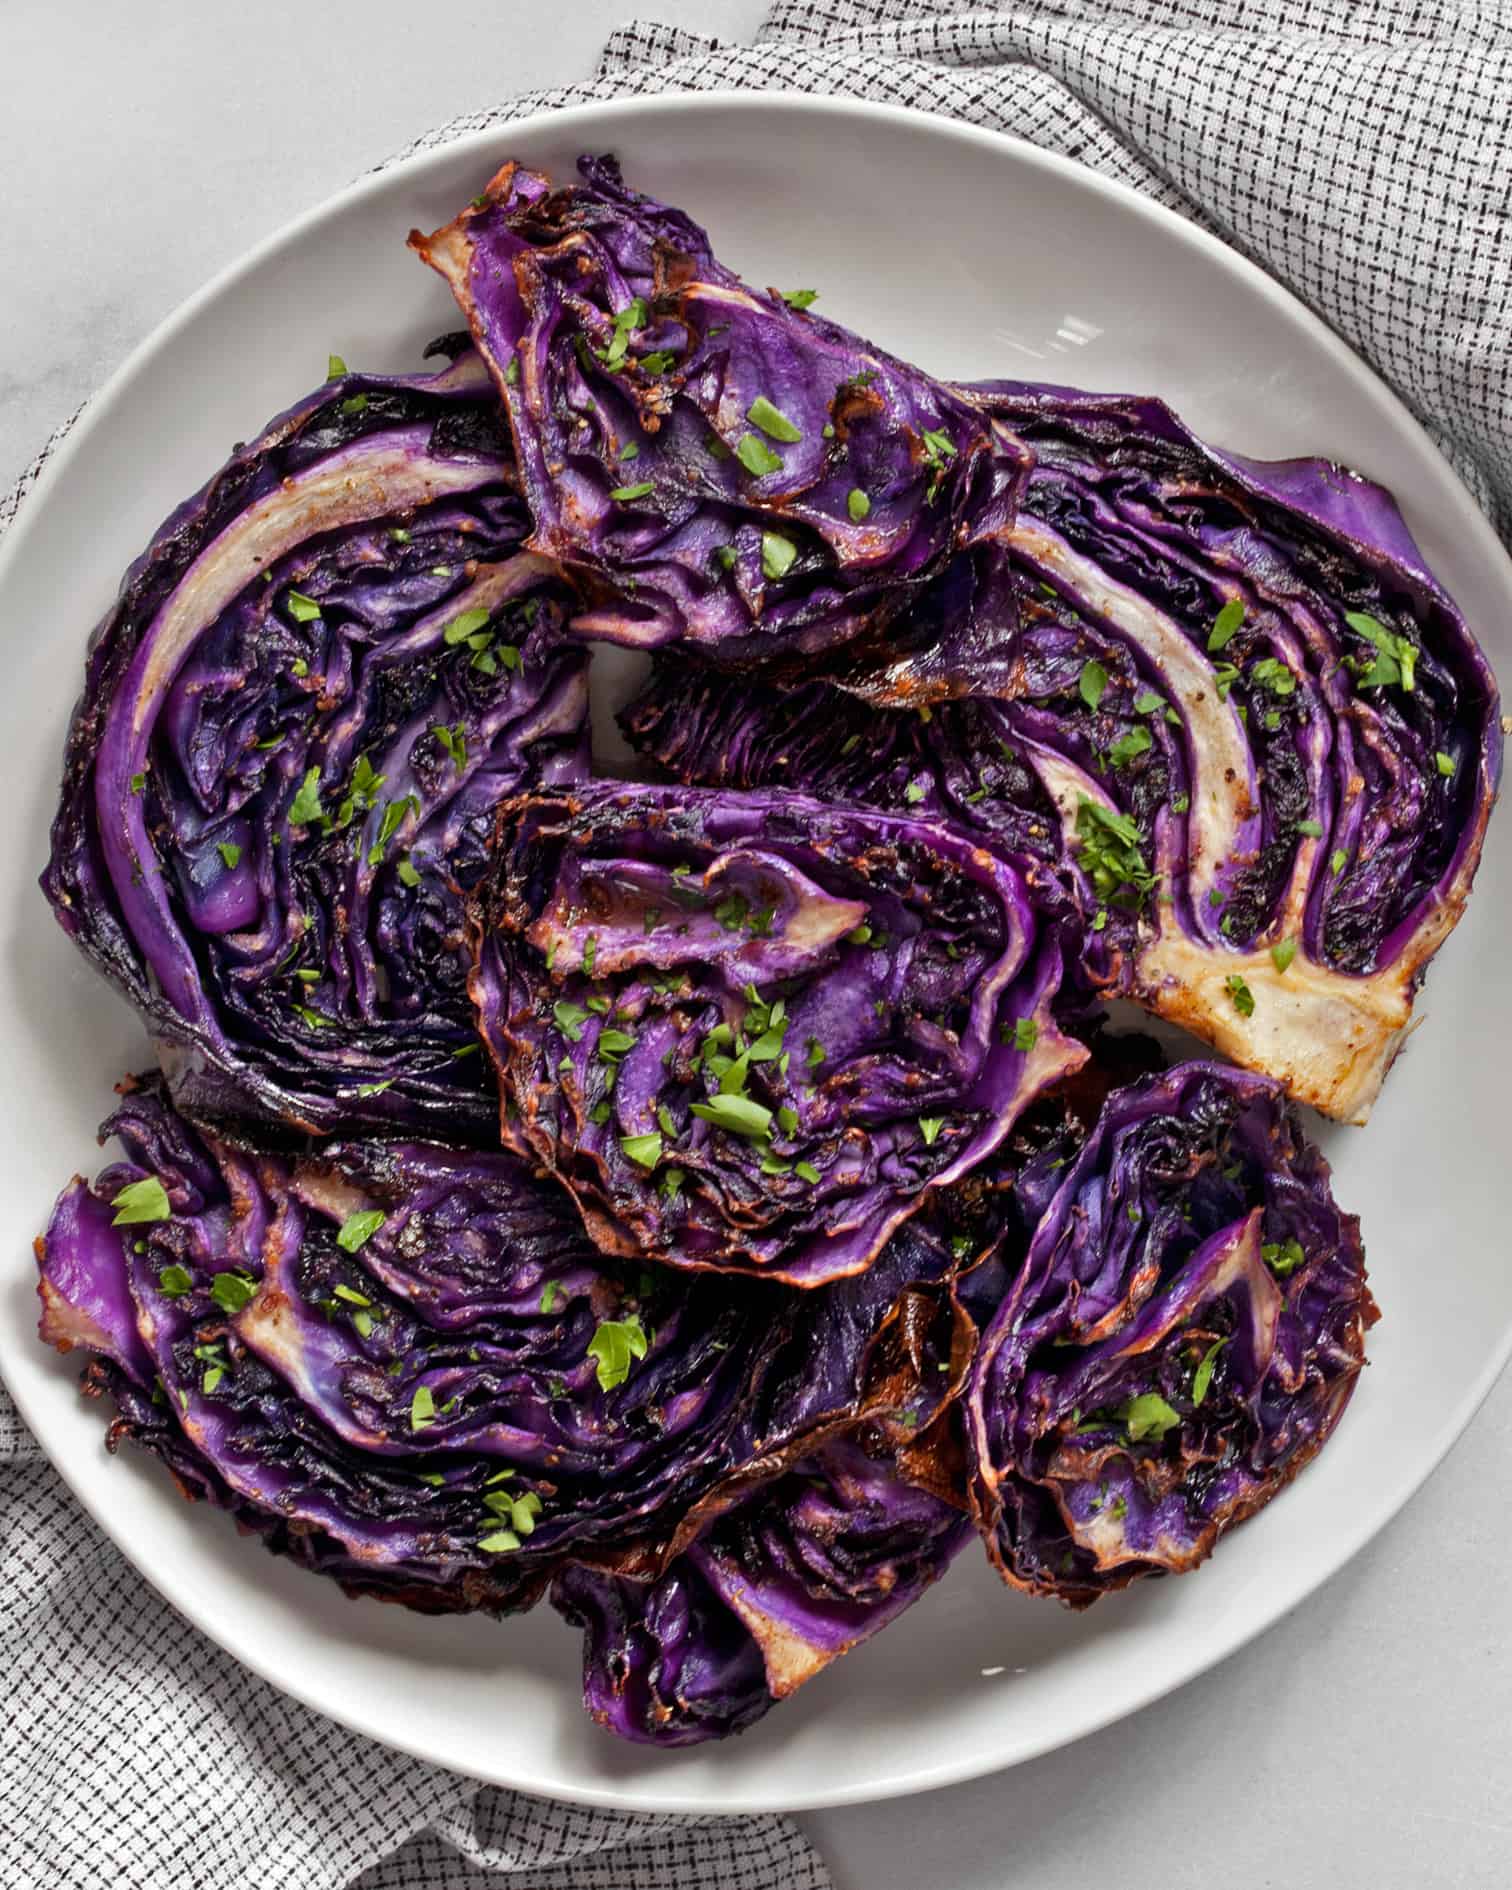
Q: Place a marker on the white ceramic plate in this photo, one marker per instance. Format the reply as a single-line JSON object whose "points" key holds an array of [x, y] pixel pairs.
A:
{"points": [[973, 255]]}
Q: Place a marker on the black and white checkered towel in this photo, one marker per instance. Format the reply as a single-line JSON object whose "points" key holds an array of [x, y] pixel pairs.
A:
{"points": [[1360, 150]]}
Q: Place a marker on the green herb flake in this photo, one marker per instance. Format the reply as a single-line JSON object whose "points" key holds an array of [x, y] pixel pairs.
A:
{"points": [[230, 852], [622, 495], [174, 1282], [422, 1408], [1025, 1034], [772, 421], [1445, 763], [357, 1229], [1396, 657], [232, 1291], [306, 807], [140, 1203], [1181, 804], [736, 1115], [301, 608], [466, 624], [1239, 991], [138, 782], [1110, 855], [1283, 1257], [408, 876], [1148, 703], [1283, 952], [913, 793], [1135, 742], [857, 504], [1225, 624], [777, 554], [335, 367], [614, 1345], [644, 1150], [929, 1128], [806, 1171], [1203, 1376], [1093, 683], [800, 298], [1337, 862], [756, 456], [374, 1089], [570, 1019], [357, 404], [212, 1378], [1147, 1416]]}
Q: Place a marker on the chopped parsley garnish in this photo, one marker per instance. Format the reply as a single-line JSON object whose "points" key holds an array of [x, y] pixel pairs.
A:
{"points": [[408, 875], [1283, 953], [374, 1089], [806, 1171], [335, 367], [644, 1150], [736, 1115], [138, 782], [230, 852], [454, 741], [613, 1044], [756, 456], [422, 1408], [306, 807], [550, 1293], [773, 422], [1445, 763], [1025, 1033], [622, 495], [1312, 828], [615, 1343], [590, 953], [174, 1281], [1225, 624], [1239, 991], [1283, 1257], [466, 624], [1147, 1416], [1181, 803], [1395, 659], [929, 1128], [1092, 683], [1147, 702], [913, 793], [857, 504], [800, 298], [1337, 861], [1110, 855], [939, 450], [301, 608], [140, 1203], [1203, 1376], [357, 1229], [1274, 676], [777, 554], [232, 1291], [1135, 742], [570, 1019]]}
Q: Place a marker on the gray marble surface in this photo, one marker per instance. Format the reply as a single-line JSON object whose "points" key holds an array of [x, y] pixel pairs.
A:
{"points": [[1362, 1744]]}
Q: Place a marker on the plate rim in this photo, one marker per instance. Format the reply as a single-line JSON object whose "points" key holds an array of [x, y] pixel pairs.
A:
{"points": [[1343, 359]]}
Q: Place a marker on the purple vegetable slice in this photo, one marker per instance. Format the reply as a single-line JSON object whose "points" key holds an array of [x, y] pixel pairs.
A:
{"points": [[317, 683], [822, 1559], [407, 1360], [753, 1031], [1183, 1336], [730, 470], [1233, 708]]}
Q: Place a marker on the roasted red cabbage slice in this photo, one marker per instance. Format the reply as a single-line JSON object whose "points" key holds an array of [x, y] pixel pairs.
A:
{"points": [[751, 1031], [1228, 700], [805, 1570], [1293, 729], [733, 470], [316, 684], [408, 1359], [1181, 1339]]}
